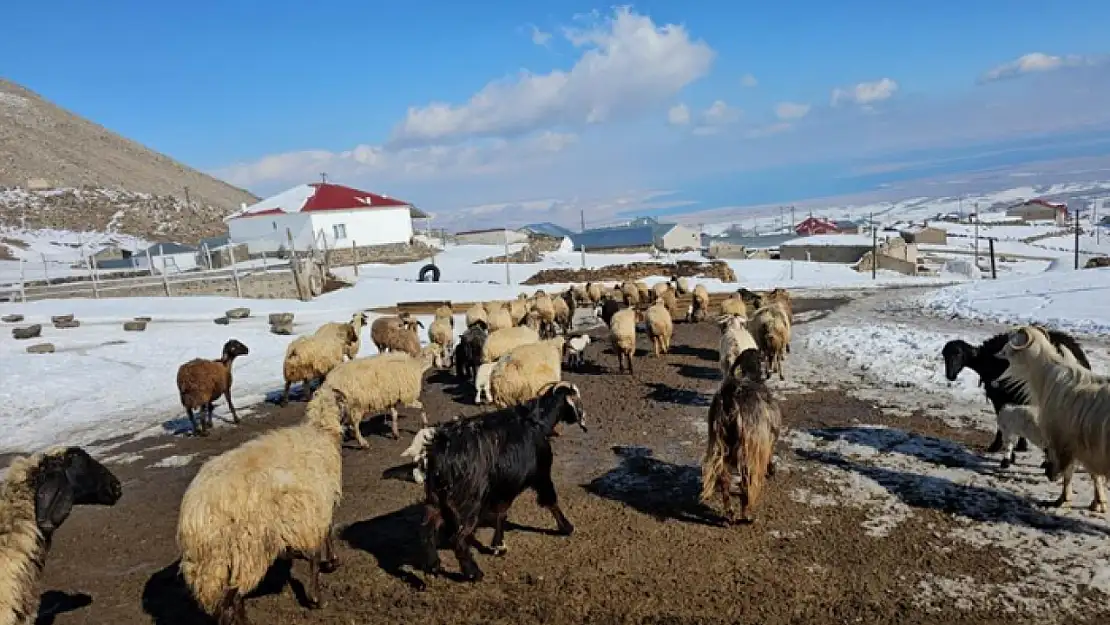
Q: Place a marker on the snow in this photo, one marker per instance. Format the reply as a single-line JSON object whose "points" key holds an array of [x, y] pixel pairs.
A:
{"points": [[290, 201], [1073, 301]]}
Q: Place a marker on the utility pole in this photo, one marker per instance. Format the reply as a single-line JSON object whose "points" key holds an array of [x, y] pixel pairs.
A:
{"points": [[324, 177], [874, 246], [977, 235], [187, 202], [1076, 234], [582, 246], [793, 223], [1094, 222]]}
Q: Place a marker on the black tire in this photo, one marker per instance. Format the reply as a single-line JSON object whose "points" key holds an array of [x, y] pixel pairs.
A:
{"points": [[426, 269]]}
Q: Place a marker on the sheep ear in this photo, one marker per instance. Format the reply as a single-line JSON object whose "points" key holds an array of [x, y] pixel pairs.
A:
{"points": [[1020, 339]]}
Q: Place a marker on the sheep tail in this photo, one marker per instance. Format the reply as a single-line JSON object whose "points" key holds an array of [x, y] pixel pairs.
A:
{"points": [[757, 444], [715, 464], [209, 579]]}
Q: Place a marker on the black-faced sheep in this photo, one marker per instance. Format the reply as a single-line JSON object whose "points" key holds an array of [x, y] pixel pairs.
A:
{"points": [[200, 382], [36, 497], [983, 360], [310, 358], [381, 383], [343, 331], [481, 464], [1073, 405], [744, 426], [272, 497]]}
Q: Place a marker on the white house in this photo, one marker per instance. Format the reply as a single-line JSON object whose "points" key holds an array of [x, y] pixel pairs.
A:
{"points": [[168, 258], [322, 213]]}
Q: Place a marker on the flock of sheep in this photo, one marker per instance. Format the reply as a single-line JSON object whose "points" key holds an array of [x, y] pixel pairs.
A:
{"points": [[275, 496]]}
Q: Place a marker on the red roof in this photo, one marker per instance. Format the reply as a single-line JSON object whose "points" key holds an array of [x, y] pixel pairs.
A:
{"points": [[1047, 204], [816, 225], [321, 196]]}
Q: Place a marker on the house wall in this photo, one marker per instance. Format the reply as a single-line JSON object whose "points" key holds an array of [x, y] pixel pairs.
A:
{"points": [[824, 253], [496, 237], [379, 226], [888, 263], [927, 236], [680, 238], [1034, 213], [727, 250], [173, 263], [267, 233]]}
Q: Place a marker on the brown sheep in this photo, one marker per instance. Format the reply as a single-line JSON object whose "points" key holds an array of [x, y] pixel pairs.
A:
{"points": [[200, 382], [396, 334]]}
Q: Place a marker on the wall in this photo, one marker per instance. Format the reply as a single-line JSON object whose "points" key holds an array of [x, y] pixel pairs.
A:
{"points": [[496, 237], [173, 263], [267, 233], [888, 263], [927, 236], [727, 250], [681, 238], [378, 226], [824, 253]]}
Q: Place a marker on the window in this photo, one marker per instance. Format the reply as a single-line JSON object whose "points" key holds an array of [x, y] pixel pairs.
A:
{"points": [[275, 225], [340, 231]]}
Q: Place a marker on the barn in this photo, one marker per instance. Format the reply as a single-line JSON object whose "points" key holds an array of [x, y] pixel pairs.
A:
{"points": [[1040, 210], [323, 214]]}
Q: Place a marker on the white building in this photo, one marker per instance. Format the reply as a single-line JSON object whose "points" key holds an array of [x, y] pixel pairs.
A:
{"points": [[493, 236], [319, 214], [167, 258]]}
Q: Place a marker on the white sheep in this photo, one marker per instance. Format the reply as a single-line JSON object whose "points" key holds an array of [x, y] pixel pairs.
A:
{"points": [[735, 338], [523, 372], [622, 334], [342, 331], [502, 341], [500, 318], [444, 312], [441, 333], [36, 496], [1073, 405], [699, 305], [575, 349], [312, 357], [481, 382], [734, 306], [770, 325], [381, 383], [477, 312], [273, 496], [659, 325]]}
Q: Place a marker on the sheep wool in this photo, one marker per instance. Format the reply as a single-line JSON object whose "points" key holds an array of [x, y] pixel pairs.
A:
{"points": [[476, 313], [544, 307], [518, 309], [22, 548], [622, 333], [441, 333], [393, 334], [247, 506], [630, 293], [563, 316], [593, 292], [525, 371], [500, 319], [659, 326], [770, 326], [735, 338], [503, 341], [310, 358], [378, 384], [445, 312], [349, 333], [734, 306]]}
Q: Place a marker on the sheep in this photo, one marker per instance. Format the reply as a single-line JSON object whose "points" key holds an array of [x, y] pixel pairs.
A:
{"points": [[658, 289], [735, 340], [36, 496], [771, 328], [481, 464], [563, 314], [520, 375], [381, 383], [502, 342], [475, 314], [201, 381], [398, 334], [311, 357], [441, 333], [342, 331], [630, 294], [622, 333], [982, 360], [699, 306], [500, 318], [481, 382], [593, 293], [744, 425], [545, 329], [670, 302], [468, 352], [416, 451], [781, 296], [493, 306], [734, 306], [659, 326], [575, 350], [518, 309], [643, 290], [581, 293], [609, 307], [681, 285], [1073, 405], [272, 497], [545, 307]]}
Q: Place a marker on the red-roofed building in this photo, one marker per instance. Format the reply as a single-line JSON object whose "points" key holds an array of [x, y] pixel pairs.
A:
{"points": [[323, 213], [1040, 210], [816, 225]]}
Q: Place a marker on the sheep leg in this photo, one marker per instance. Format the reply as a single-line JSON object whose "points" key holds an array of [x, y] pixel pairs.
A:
{"points": [[285, 393], [1099, 502], [1008, 455], [497, 543], [193, 420], [330, 559], [232, 609], [393, 422], [313, 591], [355, 422], [423, 413], [231, 406], [210, 413], [1064, 500], [996, 444]]}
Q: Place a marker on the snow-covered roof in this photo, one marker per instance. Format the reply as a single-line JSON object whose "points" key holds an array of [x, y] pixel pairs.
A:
{"points": [[831, 240], [323, 196]]}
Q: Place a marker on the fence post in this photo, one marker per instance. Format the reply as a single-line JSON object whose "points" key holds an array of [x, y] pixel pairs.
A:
{"points": [[994, 274], [354, 256], [149, 263], [45, 269], [293, 263], [234, 272], [165, 276], [22, 280], [208, 254], [92, 274]]}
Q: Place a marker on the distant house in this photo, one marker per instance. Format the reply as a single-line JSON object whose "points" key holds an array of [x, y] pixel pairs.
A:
{"points": [[844, 226], [828, 248], [170, 257], [925, 235], [644, 234], [817, 225], [112, 253], [491, 236], [1040, 210], [547, 229]]}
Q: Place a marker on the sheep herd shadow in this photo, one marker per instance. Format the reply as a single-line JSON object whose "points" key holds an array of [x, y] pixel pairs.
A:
{"points": [[654, 487], [665, 393], [56, 602]]}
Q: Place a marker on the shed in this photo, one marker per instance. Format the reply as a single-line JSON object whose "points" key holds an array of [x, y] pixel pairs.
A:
{"points": [[491, 236], [826, 248], [925, 235], [1038, 210], [170, 258], [644, 234], [546, 228]]}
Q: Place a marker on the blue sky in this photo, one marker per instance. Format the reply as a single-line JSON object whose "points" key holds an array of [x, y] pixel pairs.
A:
{"points": [[527, 111]]}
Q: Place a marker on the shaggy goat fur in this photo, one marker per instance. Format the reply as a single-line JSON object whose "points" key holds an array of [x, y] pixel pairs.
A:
{"points": [[476, 313], [200, 382], [622, 334], [659, 326], [273, 496], [522, 373], [468, 353], [312, 357], [1072, 402], [744, 426], [982, 360], [482, 464], [343, 331], [36, 497], [770, 326], [396, 334], [735, 339], [378, 384], [502, 342]]}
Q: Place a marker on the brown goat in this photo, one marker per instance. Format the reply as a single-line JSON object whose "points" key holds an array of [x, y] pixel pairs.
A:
{"points": [[200, 382], [744, 426]]}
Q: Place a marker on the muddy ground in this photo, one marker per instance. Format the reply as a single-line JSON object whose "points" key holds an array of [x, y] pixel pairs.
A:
{"points": [[645, 551]]}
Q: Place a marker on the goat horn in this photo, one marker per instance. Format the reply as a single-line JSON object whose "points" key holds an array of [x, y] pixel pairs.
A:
{"points": [[1020, 339]]}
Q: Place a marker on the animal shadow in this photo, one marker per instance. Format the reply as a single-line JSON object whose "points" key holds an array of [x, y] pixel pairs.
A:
{"points": [[697, 372], [702, 353], [925, 448], [586, 368], [55, 602], [654, 487], [668, 394], [461, 392]]}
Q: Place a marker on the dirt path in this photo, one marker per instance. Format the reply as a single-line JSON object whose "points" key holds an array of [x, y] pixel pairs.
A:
{"points": [[644, 552]]}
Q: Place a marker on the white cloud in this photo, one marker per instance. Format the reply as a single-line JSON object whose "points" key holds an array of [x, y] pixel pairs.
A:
{"points": [[1032, 63], [865, 92], [629, 65], [539, 37], [678, 115], [791, 110], [719, 115], [747, 80]]}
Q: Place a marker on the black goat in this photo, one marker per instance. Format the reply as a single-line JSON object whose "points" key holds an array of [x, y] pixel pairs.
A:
{"points": [[482, 464], [468, 353], [608, 308], [984, 361]]}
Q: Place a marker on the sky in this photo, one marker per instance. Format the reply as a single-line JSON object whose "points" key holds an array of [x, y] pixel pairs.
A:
{"points": [[509, 112]]}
